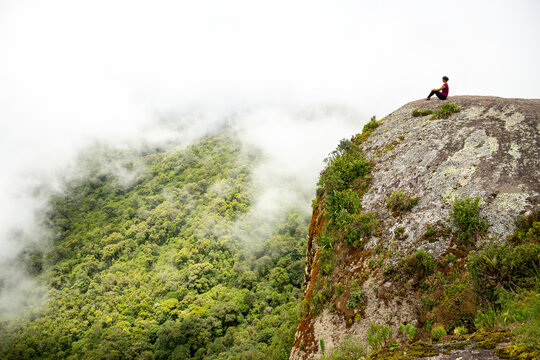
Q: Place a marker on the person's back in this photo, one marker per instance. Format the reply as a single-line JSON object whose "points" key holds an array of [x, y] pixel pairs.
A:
{"points": [[445, 90]]}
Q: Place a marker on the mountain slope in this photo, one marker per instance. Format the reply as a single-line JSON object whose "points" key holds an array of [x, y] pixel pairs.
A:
{"points": [[149, 262]]}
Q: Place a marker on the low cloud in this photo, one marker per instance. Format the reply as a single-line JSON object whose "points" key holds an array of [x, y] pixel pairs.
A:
{"points": [[291, 143], [292, 79]]}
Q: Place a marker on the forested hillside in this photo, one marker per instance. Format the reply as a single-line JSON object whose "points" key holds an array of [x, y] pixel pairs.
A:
{"points": [[153, 266]]}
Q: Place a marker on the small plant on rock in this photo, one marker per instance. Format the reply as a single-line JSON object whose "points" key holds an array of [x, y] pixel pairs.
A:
{"points": [[465, 214], [446, 110], [340, 206], [437, 332], [399, 201], [361, 224], [399, 233], [345, 165], [425, 262], [460, 330], [379, 336], [430, 230], [527, 229], [347, 350], [327, 261], [371, 125], [434, 232], [407, 331], [418, 112], [356, 297], [367, 130], [487, 319], [450, 258], [319, 298]]}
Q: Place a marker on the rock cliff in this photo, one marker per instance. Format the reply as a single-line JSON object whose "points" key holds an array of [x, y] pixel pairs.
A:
{"points": [[488, 149]]}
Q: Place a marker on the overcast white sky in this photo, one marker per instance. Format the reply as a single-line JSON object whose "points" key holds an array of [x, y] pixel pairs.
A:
{"points": [[74, 71]]}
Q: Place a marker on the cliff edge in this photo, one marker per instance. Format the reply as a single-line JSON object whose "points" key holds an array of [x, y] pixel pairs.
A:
{"points": [[390, 259]]}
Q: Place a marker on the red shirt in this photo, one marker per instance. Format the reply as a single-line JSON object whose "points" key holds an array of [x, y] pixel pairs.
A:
{"points": [[445, 90]]}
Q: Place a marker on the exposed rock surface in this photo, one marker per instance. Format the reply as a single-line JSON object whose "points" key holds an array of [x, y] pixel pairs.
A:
{"points": [[489, 149]]}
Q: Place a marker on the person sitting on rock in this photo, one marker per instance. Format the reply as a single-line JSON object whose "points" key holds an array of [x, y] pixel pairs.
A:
{"points": [[440, 94]]}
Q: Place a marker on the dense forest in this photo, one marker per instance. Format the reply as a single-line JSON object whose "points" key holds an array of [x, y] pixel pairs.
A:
{"points": [[154, 262]]}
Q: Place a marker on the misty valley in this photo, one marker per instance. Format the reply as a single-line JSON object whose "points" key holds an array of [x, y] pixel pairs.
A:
{"points": [[157, 261]]}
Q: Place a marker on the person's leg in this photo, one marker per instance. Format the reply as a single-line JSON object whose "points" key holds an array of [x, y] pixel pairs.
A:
{"points": [[431, 94], [440, 95]]}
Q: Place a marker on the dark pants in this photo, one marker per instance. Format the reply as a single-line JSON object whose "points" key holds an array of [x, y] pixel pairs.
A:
{"points": [[438, 93]]}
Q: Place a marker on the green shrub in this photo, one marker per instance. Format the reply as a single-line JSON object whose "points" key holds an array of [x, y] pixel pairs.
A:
{"points": [[407, 331], [319, 298], [507, 278], [428, 303], [527, 229], [465, 214], [434, 232], [487, 319], [361, 224], [429, 325], [345, 165], [450, 258], [347, 350], [460, 330], [421, 263], [327, 261], [446, 110], [356, 297], [525, 312], [340, 206], [325, 241], [503, 267], [425, 262], [430, 230], [519, 312], [378, 336], [417, 112], [367, 130], [399, 233], [366, 221], [438, 332], [400, 201], [371, 125]]}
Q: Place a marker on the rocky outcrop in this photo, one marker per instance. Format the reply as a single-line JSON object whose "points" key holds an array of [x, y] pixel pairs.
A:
{"points": [[489, 149]]}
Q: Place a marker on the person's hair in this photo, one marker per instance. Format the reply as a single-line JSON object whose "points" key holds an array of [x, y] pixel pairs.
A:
{"points": [[445, 78]]}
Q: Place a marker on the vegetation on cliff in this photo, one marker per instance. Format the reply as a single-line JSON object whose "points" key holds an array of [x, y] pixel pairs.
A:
{"points": [[339, 201], [443, 193], [496, 297], [155, 268], [468, 290], [442, 112]]}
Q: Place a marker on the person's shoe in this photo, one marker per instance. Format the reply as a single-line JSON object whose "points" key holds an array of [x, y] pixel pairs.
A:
{"points": [[428, 99]]}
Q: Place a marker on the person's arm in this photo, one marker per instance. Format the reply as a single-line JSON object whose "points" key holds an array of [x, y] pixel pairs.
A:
{"points": [[439, 89]]}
